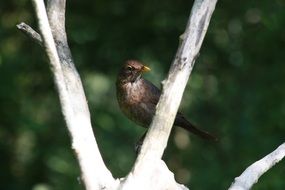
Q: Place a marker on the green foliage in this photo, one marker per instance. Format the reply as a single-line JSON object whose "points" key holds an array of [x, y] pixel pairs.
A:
{"points": [[236, 91]]}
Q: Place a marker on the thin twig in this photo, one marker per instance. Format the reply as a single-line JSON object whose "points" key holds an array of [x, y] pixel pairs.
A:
{"points": [[31, 33]]}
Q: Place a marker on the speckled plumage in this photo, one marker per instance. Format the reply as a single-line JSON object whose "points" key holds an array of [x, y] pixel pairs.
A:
{"points": [[138, 100], [138, 97]]}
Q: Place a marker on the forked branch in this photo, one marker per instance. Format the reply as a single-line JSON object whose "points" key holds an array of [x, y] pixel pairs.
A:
{"points": [[149, 172]]}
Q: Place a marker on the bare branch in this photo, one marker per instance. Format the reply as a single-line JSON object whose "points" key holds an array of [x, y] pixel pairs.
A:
{"points": [[251, 175], [148, 161], [174, 85], [149, 172], [56, 16], [73, 102], [27, 30]]}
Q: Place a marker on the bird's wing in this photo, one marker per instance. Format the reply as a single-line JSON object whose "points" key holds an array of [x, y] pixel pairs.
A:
{"points": [[152, 93]]}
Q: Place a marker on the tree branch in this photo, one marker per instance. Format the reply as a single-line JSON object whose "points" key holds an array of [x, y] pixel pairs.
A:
{"points": [[95, 175], [31, 33], [149, 172], [251, 175], [149, 160]]}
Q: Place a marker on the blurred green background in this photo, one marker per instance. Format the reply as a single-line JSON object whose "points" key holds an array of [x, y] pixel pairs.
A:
{"points": [[236, 91]]}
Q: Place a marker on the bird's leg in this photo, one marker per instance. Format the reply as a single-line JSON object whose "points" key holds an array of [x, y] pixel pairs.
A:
{"points": [[139, 143]]}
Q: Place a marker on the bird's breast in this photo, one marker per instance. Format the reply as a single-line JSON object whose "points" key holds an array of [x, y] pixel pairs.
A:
{"points": [[131, 98], [133, 93]]}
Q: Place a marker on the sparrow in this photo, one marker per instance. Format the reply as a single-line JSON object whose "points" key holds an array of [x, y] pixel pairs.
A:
{"points": [[137, 99]]}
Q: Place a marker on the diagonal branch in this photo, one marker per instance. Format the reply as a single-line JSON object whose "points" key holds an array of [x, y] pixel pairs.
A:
{"points": [[149, 159], [95, 175], [251, 175], [149, 172], [27, 30], [174, 84]]}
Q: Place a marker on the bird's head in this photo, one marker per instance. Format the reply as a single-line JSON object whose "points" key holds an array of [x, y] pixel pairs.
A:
{"points": [[131, 71]]}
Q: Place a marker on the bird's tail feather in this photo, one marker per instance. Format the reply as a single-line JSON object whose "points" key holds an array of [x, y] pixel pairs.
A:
{"points": [[185, 124]]}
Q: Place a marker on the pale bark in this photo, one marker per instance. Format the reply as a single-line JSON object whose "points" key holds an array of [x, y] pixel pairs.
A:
{"points": [[74, 106], [27, 30], [149, 171], [251, 175]]}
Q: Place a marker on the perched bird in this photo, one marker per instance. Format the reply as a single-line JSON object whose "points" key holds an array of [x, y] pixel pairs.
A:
{"points": [[138, 97]]}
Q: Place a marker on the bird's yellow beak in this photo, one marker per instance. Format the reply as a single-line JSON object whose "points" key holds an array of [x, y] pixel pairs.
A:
{"points": [[145, 69]]}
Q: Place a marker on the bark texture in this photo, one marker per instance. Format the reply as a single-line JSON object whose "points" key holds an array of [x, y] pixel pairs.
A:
{"points": [[149, 171], [251, 175]]}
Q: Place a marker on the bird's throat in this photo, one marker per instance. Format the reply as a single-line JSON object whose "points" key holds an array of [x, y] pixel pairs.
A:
{"points": [[135, 80]]}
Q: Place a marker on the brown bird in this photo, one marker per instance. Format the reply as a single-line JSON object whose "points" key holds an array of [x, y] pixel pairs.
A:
{"points": [[138, 97]]}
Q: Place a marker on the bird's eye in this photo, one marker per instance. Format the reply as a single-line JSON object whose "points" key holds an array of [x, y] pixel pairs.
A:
{"points": [[130, 68]]}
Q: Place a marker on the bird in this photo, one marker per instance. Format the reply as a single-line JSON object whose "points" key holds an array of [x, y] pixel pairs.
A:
{"points": [[138, 97]]}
